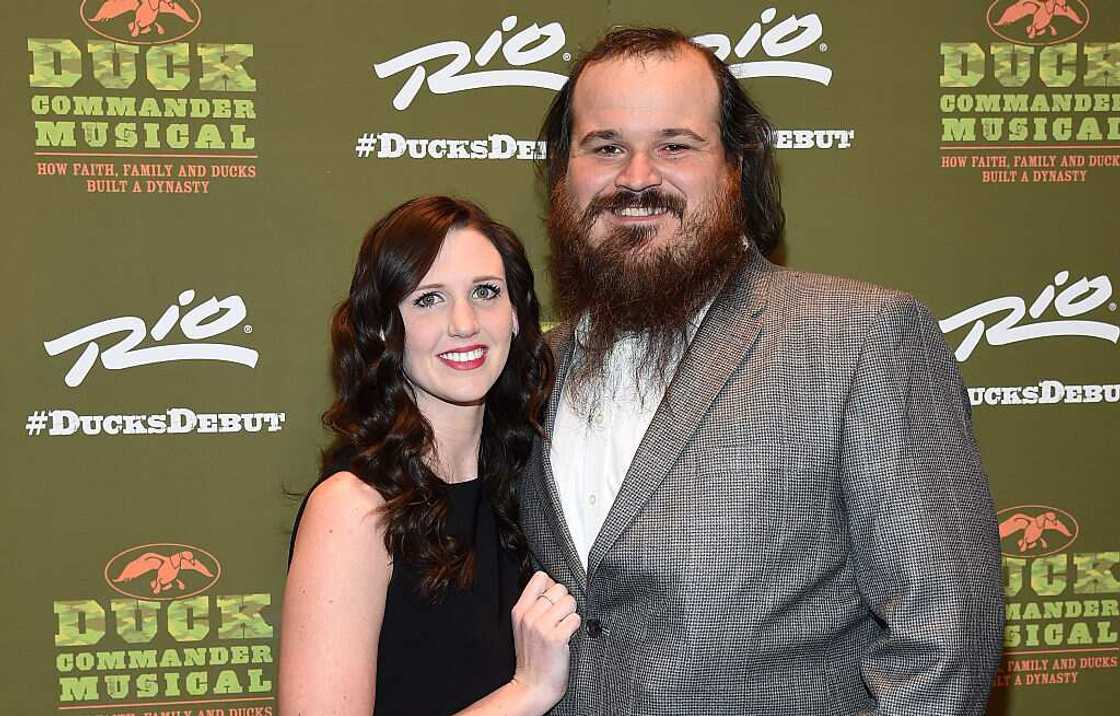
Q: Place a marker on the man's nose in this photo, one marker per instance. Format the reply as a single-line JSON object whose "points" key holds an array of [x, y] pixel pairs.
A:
{"points": [[463, 320], [639, 173]]}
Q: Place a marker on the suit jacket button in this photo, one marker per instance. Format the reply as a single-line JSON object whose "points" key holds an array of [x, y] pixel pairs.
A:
{"points": [[594, 628]]}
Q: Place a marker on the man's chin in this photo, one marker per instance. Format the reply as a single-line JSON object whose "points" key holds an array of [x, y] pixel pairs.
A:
{"points": [[638, 239]]}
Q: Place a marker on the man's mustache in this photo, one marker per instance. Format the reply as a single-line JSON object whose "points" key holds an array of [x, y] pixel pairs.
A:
{"points": [[650, 199]]}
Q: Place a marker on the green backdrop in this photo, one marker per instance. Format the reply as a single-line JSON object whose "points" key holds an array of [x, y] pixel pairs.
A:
{"points": [[184, 192]]}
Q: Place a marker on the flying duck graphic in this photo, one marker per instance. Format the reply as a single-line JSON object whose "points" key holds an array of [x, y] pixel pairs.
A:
{"points": [[1032, 528], [166, 568], [1042, 12], [146, 12]]}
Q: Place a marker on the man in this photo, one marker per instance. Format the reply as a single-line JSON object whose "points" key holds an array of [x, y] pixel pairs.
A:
{"points": [[761, 485]]}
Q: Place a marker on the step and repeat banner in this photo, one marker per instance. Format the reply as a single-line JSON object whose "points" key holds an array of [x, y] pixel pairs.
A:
{"points": [[186, 183]]}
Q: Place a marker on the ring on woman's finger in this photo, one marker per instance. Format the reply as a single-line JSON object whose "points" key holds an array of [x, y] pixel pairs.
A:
{"points": [[547, 598]]}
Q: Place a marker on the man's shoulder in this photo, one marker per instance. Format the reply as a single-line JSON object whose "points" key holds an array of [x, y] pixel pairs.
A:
{"points": [[807, 293]]}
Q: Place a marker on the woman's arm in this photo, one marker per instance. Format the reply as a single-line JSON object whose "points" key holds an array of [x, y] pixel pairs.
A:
{"points": [[334, 602]]}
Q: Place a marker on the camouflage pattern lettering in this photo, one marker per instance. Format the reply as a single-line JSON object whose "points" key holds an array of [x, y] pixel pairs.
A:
{"points": [[114, 63], [1094, 573], [1013, 575], [80, 622], [1048, 575], [1057, 64], [136, 619], [169, 66], [222, 70], [189, 619], [1011, 63], [241, 616], [1102, 64], [964, 64], [44, 53]]}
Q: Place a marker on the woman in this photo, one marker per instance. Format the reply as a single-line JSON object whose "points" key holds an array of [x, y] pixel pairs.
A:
{"points": [[407, 558]]}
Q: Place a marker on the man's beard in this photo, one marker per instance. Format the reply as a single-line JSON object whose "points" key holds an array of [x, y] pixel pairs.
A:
{"points": [[624, 288]]}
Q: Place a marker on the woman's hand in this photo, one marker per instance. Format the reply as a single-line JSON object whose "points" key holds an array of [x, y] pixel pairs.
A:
{"points": [[544, 618]]}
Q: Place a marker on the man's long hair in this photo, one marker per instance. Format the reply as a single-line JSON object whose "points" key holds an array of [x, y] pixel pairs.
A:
{"points": [[380, 433], [747, 135]]}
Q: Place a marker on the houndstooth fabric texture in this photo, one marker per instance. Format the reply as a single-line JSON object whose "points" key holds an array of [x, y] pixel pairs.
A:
{"points": [[805, 529]]}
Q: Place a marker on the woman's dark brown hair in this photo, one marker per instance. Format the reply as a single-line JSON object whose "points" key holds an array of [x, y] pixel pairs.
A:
{"points": [[746, 135], [375, 418]]}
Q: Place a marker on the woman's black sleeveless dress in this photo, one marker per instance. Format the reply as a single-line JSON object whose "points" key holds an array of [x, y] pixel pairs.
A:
{"points": [[439, 658]]}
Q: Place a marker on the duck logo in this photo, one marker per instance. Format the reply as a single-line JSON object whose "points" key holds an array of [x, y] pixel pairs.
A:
{"points": [[1035, 530], [1038, 22], [141, 21], [162, 571]]}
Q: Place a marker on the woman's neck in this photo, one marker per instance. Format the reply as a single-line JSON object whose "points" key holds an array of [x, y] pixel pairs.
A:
{"points": [[458, 434]]}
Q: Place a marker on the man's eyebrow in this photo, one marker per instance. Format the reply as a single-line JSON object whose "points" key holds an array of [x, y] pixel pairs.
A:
{"points": [[611, 135], [608, 135], [682, 132]]}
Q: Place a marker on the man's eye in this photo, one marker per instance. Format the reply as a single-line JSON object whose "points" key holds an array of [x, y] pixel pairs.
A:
{"points": [[676, 148], [487, 291], [427, 300], [609, 150]]}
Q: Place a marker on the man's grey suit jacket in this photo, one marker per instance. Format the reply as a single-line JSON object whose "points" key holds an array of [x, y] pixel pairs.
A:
{"points": [[805, 529]]}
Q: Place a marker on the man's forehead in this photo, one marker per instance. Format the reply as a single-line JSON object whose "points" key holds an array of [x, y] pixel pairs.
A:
{"points": [[676, 89]]}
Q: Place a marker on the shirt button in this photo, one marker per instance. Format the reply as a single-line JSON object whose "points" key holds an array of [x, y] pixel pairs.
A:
{"points": [[594, 628], [591, 498]]}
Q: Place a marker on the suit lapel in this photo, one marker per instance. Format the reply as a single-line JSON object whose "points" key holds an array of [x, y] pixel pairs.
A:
{"points": [[563, 340], [722, 340]]}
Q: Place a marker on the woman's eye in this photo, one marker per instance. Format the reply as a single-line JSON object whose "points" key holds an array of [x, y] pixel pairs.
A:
{"points": [[426, 300], [487, 291]]}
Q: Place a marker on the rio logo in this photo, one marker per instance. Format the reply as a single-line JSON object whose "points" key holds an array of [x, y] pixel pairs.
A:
{"points": [[1022, 323], [537, 43], [210, 318]]}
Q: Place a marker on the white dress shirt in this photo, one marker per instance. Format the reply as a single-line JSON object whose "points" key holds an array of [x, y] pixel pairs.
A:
{"points": [[590, 455]]}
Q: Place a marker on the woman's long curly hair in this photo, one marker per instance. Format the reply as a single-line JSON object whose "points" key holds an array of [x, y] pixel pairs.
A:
{"points": [[375, 418]]}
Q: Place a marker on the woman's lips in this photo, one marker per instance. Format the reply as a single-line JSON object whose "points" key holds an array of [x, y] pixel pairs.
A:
{"points": [[465, 358]]}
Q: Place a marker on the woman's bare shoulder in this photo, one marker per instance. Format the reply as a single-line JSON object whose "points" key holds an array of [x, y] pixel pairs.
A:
{"points": [[343, 512]]}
